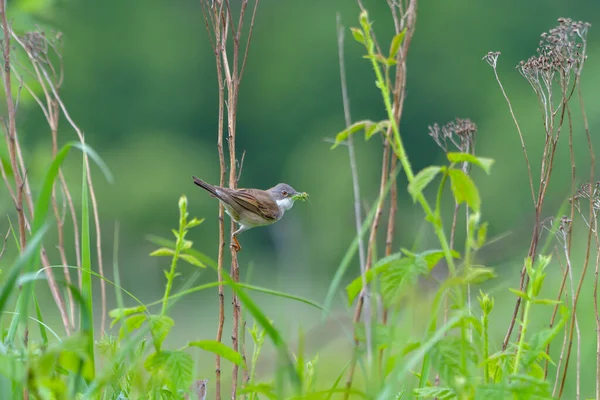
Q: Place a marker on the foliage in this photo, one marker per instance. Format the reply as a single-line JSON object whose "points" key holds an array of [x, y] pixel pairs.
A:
{"points": [[449, 356]]}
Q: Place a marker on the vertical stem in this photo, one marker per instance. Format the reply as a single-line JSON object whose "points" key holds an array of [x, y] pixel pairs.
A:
{"points": [[355, 186], [11, 134], [219, 40]]}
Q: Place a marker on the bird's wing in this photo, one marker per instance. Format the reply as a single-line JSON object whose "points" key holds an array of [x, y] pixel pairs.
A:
{"points": [[247, 199]]}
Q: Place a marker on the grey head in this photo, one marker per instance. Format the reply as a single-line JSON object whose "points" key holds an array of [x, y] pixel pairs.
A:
{"points": [[282, 194]]}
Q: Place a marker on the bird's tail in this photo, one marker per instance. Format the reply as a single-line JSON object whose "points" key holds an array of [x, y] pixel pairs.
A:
{"points": [[206, 186]]}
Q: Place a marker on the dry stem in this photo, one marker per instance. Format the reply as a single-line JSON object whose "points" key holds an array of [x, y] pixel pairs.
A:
{"points": [[218, 20]]}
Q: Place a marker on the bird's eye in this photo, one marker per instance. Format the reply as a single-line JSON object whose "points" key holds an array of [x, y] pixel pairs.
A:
{"points": [[285, 193]]}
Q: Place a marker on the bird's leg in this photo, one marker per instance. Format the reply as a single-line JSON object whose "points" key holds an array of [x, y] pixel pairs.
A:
{"points": [[235, 244]]}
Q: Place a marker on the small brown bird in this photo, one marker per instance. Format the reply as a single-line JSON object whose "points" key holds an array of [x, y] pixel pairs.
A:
{"points": [[253, 207]]}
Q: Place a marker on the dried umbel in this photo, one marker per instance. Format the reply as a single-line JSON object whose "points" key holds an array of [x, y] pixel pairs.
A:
{"points": [[460, 132], [560, 51], [35, 43], [587, 192]]}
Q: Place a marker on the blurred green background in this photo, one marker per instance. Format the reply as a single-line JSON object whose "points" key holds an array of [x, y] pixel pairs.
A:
{"points": [[141, 82]]}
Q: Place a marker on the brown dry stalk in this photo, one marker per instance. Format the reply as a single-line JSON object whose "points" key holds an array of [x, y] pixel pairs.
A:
{"points": [[51, 112], [86, 162], [23, 193], [212, 21], [11, 132], [218, 20]]}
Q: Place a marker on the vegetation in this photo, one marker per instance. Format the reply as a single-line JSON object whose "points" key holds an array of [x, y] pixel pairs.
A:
{"points": [[421, 317]]}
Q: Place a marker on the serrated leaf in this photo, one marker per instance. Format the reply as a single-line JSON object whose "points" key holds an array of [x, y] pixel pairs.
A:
{"points": [[483, 162], [160, 326], [132, 323], [464, 189], [163, 251], [354, 288], [190, 259], [396, 42], [221, 349], [119, 313], [358, 35], [400, 274], [432, 257], [421, 180], [175, 366]]}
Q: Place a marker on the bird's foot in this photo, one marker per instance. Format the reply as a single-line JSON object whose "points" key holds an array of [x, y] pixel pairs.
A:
{"points": [[235, 244]]}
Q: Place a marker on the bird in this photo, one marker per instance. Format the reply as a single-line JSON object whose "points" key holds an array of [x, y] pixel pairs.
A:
{"points": [[251, 208]]}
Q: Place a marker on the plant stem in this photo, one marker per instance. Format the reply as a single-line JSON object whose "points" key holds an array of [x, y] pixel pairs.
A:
{"points": [[171, 273], [523, 333]]}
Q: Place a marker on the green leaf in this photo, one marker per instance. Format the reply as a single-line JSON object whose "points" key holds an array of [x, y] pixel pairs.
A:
{"points": [[482, 235], [163, 252], [132, 323], [160, 326], [546, 301], [6, 165], [476, 275], [519, 293], [221, 349], [354, 288], [194, 222], [159, 241], [421, 180], [358, 35], [355, 127], [396, 42], [440, 393], [464, 189], [483, 162], [400, 274], [176, 366], [374, 128], [265, 389], [190, 259], [432, 257], [119, 313]]}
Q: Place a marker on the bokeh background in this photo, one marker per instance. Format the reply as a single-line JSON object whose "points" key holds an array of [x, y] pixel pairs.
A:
{"points": [[141, 82]]}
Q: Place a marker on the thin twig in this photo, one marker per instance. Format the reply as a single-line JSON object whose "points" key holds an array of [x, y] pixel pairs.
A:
{"points": [[355, 185], [371, 251]]}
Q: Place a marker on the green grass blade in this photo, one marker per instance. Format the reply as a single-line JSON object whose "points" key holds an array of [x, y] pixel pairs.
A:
{"points": [[31, 252], [86, 257], [40, 318], [271, 331]]}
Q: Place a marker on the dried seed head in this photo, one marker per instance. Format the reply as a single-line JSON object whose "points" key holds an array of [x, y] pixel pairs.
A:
{"points": [[460, 132], [560, 50], [492, 58], [35, 43]]}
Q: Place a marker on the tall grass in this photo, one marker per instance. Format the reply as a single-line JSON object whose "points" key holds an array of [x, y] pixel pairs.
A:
{"points": [[394, 353]]}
